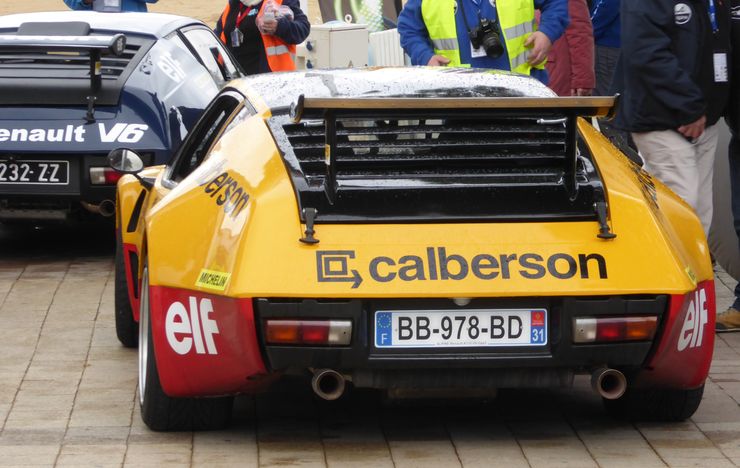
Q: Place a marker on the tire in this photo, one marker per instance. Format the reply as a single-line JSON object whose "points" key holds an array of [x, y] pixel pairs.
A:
{"points": [[159, 411], [655, 405], [127, 329]]}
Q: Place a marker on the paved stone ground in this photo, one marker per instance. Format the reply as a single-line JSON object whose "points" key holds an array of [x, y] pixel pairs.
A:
{"points": [[68, 397]]}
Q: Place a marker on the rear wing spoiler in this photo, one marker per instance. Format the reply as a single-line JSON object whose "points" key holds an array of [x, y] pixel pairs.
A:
{"points": [[113, 45], [95, 46], [584, 106], [547, 111]]}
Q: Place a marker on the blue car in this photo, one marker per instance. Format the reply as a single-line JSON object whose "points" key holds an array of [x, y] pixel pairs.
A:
{"points": [[75, 85]]}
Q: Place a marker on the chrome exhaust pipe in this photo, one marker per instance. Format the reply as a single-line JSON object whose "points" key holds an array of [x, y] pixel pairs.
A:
{"points": [[328, 384], [106, 208], [609, 383]]}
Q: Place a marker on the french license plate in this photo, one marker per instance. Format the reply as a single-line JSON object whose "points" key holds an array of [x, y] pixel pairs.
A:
{"points": [[34, 172], [456, 328]]}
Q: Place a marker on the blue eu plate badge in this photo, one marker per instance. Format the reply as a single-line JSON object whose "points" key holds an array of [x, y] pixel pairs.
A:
{"points": [[383, 329]]}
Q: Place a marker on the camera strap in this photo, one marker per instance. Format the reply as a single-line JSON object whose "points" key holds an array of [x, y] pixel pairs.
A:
{"points": [[465, 19]]}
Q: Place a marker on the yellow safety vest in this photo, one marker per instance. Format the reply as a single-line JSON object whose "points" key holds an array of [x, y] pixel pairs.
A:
{"points": [[517, 23]]}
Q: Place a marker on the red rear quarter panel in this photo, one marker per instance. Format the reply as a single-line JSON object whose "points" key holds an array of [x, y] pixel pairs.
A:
{"points": [[683, 353]]}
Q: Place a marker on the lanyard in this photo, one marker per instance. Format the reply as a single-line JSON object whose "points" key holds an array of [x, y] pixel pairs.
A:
{"points": [[242, 14], [713, 17], [596, 8]]}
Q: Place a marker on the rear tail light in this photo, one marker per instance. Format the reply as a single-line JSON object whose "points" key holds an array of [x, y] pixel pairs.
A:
{"points": [[309, 332], [608, 329], [104, 176]]}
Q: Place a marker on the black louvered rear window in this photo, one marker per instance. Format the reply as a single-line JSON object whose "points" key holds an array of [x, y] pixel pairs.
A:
{"points": [[433, 150], [459, 168]]}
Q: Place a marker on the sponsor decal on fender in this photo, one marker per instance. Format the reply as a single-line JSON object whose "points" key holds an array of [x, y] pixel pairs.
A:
{"points": [[227, 193], [212, 279], [691, 275], [692, 330], [436, 264], [193, 327]]}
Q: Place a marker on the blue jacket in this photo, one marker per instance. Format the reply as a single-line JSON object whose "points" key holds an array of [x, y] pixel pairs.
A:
{"points": [[415, 38], [126, 5], [605, 18]]}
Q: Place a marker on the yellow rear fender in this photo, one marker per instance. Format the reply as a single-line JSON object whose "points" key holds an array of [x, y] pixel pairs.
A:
{"points": [[630, 189], [202, 222]]}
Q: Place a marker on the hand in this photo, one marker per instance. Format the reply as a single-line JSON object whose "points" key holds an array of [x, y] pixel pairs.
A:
{"points": [[694, 129], [540, 45], [266, 26], [580, 92], [438, 61]]}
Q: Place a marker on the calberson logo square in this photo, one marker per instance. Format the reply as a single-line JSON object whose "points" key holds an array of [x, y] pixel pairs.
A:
{"points": [[333, 266]]}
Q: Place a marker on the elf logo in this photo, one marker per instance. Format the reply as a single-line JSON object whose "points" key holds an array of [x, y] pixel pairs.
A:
{"points": [[692, 331], [187, 328]]}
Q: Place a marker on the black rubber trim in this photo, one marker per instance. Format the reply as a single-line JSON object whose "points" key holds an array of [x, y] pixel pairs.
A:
{"points": [[136, 212]]}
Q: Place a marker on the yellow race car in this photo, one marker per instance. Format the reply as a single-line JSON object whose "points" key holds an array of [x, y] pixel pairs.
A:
{"points": [[406, 229]]}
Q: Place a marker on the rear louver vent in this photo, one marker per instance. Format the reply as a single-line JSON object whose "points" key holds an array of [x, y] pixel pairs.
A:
{"points": [[466, 167], [433, 151], [34, 64]]}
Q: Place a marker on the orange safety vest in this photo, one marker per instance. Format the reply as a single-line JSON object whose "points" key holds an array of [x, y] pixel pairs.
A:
{"points": [[280, 55]]}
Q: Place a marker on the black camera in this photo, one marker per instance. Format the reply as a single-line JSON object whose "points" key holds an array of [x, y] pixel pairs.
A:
{"points": [[486, 35]]}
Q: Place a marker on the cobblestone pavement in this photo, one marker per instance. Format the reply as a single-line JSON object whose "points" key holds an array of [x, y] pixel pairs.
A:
{"points": [[68, 397]]}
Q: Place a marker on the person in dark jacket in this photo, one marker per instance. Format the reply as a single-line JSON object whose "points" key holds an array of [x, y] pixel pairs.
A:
{"points": [[729, 320], [674, 82], [262, 34], [570, 63], [110, 5]]}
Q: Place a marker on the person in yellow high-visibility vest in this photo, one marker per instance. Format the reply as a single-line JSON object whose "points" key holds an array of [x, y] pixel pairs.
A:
{"points": [[499, 34]]}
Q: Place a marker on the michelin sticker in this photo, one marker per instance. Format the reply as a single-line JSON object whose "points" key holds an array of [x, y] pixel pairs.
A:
{"points": [[212, 279], [119, 132]]}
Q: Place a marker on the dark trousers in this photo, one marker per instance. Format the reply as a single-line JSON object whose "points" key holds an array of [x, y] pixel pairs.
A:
{"points": [[605, 61], [734, 155]]}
